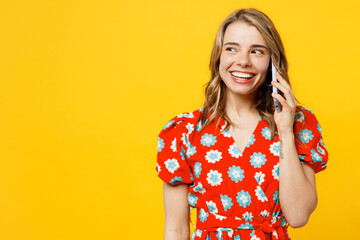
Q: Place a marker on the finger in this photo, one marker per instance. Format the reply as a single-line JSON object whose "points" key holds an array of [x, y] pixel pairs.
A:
{"points": [[284, 104], [289, 96], [282, 80]]}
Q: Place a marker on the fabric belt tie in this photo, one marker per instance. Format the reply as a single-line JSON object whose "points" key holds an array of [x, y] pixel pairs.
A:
{"points": [[263, 229]]}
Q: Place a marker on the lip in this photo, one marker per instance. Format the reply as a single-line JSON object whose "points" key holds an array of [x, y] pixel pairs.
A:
{"points": [[242, 72], [242, 81]]}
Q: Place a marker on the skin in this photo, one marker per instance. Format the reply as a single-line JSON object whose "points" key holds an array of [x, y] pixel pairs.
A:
{"points": [[297, 186]]}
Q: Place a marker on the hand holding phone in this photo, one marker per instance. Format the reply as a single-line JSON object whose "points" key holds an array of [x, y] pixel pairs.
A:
{"points": [[274, 89]]}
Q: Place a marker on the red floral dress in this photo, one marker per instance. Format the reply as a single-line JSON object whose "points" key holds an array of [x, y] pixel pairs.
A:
{"points": [[236, 193]]}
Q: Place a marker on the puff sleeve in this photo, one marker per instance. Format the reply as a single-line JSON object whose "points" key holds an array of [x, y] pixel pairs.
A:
{"points": [[310, 145], [172, 165]]}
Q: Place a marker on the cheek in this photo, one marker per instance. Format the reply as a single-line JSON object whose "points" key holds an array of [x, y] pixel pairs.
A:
{"points": [[225, 62]]}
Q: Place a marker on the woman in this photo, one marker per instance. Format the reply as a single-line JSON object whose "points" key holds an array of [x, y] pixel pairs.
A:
{"points": [[247, 169]]}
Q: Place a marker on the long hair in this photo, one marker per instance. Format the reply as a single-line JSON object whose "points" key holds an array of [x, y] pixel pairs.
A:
{"points": [[215, 91]]}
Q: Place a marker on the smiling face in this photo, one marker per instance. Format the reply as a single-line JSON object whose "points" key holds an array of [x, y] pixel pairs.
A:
{"points": [[244, 59]]}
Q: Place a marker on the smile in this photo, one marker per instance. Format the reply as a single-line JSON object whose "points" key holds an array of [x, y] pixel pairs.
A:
{"points": [[242, 77]]}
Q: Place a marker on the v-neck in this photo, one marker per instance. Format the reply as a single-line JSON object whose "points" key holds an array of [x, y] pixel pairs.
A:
{"points": [[253, 133]]}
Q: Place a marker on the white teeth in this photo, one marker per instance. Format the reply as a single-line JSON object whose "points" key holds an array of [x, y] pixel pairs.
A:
{"points": [[242, 75]]}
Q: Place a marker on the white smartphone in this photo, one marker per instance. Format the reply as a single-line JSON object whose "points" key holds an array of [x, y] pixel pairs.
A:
{"points": [[274, 89]]}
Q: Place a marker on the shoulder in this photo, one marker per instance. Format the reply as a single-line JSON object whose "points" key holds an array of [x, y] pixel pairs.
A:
{"points": [[183, 121], [305, 115]]}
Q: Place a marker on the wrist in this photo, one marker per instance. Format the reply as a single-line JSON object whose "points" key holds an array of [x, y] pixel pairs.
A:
{"points": [[287, 136]]}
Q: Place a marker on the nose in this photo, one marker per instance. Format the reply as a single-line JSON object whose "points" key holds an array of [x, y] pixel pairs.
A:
{"points": [[242, 59]]}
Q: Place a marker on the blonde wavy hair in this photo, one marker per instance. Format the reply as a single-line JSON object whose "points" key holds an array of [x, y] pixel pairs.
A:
{"points": [[215, 97]]}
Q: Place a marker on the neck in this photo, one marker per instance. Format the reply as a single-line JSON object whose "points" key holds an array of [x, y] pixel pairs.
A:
{"points": [[240, 106]]}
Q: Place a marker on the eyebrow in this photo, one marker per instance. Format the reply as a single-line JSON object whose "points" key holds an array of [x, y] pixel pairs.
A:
{"points": [[254, 45]]}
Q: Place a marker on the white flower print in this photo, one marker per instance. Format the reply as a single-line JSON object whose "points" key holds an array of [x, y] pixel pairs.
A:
{"points": [[219, 217], [275, 234], [186, 115], [214, 178], [190, 127], [260, 177], [199, 188], [212, 207], [275, 148], [185, 139], [299, 117], [234, 151], [275, 171], [225, 133], [158, 168], [198, 233], [248, 216], [260, 194], [213, 156], [172, 165], [254, 237], [265, 213], [173, 145], [319, 148]]}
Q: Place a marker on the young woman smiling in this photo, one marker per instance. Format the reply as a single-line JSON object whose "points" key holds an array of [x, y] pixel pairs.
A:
{"points": [[247, 169]]}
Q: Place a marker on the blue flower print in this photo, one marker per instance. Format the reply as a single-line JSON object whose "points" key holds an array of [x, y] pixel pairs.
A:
{"points": [[161, 144], [259, 177], [305, 135], [213, 156], [276, 171], [234, 151], [212, 207], [203, 215], [176, 180], [168, 124], [186, 115], [197, 169], [237, 237], [182, 153], [192, 199], [208, 140], [248, 216], [260, 194], [172, 165], [199, 188], [214, 177], [251, 141], [299, 117], [190, 151], [198, 126], [226, 202], [302, 156], [319, 128], [265, 132], [190, 127], [243, 198], [258, 159], [276, 197], [246, 226], [236, 173], [315, 156], [275, 148]]}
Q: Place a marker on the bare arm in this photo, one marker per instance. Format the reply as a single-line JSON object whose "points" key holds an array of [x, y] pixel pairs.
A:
{"points": [[176, 212], [297, 189]]}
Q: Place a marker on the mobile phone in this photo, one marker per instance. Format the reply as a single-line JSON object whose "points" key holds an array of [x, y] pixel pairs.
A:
{"points": [[274, 89]]}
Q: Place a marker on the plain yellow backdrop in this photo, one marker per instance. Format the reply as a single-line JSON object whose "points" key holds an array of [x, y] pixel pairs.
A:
{"points": [[86, 86]]}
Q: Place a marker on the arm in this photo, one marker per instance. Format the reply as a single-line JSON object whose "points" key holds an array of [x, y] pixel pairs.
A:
{"points": [[297, 186], [176, 212]]}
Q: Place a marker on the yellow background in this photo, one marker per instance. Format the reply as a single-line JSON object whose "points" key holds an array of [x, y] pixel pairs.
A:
{"points": [[86, 86]]}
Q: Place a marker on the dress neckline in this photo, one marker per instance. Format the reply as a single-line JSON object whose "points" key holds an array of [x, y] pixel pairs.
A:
{"points": [[242, 151]]}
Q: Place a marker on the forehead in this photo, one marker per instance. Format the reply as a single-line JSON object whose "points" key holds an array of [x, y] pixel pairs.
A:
{"points": [[244, 34]]}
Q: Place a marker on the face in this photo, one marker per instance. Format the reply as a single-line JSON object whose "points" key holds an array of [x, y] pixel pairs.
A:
{"points": [[244, 59]]}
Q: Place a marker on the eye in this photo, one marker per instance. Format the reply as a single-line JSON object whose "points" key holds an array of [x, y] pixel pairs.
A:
{"points": [[258, 51], [230, 49]]}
